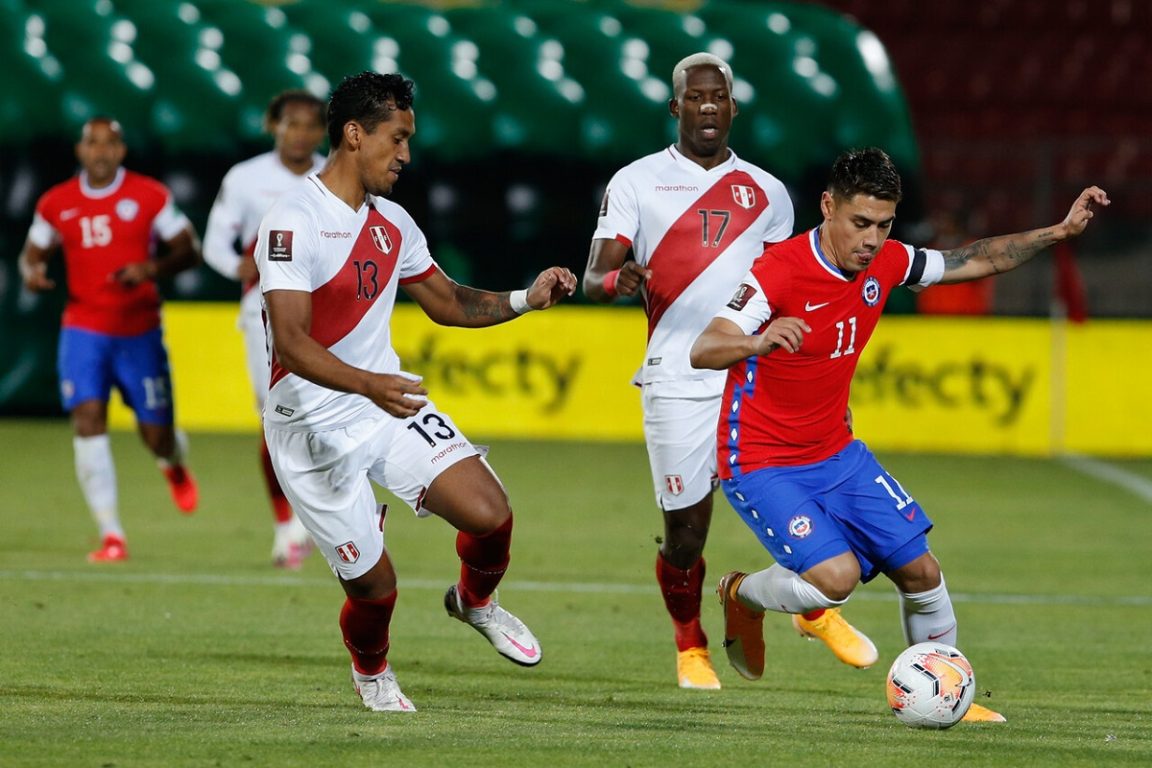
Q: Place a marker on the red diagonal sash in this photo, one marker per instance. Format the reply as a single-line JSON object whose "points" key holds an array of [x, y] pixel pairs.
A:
{"points": [[340, 304], [681, 255]]}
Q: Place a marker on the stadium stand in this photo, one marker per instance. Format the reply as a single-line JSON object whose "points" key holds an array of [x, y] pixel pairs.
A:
{"points": [[526, 107]]}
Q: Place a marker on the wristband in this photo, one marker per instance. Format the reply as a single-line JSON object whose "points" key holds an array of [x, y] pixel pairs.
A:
{"points": [[610, 283], [519, 301]]}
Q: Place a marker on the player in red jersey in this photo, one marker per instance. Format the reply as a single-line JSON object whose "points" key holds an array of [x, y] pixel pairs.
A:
{"points": [[106, 221], [694, 217], [296, 121], [791, 337]]}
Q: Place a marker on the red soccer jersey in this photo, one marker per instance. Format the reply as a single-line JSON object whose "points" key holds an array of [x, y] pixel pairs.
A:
{"points": [[101, 231], [787, 409]]}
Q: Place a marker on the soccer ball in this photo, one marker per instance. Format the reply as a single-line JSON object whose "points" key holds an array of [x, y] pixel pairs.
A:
{"points": [[930, 685]]}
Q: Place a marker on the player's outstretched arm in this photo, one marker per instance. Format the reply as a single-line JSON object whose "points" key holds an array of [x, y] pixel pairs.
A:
{"points": [[723, 343], [290, 320], [447, 302], [994, 255], [34, 267], [609, 274]]}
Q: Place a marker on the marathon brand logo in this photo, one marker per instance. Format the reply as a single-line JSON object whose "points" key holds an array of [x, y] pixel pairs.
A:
{"points": [[544, 377], [280, 245], [676, 188], [989, 387], [742, 296]]}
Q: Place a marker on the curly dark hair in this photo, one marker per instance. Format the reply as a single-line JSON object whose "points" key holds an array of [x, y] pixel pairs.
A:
{"points": [[866, 171], [281, 100], [369, 98]]}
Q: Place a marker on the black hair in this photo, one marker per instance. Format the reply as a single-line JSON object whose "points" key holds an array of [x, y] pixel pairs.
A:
{"points": [[276, 107], [369, 98], [866, 171]]}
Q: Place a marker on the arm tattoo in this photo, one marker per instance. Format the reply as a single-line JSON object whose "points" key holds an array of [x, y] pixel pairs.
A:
{"points": [[1002, 253], [483, 306]]}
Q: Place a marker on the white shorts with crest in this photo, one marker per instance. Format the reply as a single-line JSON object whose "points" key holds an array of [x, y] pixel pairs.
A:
{"points": [[328, 476], [680, 433]]}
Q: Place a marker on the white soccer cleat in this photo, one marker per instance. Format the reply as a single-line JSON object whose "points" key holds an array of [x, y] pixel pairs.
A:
{"points": [[381, 693], [291, 545], [508, 635]]}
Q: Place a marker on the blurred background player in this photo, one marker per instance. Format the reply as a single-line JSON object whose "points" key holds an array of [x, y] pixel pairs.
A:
{"points": [[790, 338], [341, 414], [694, 216], [296, 121], [949, 231], [105, 221]]}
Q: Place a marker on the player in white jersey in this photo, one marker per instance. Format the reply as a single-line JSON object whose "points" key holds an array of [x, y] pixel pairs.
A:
{"points": [[296, 121], [340, 411], [694, 216]]}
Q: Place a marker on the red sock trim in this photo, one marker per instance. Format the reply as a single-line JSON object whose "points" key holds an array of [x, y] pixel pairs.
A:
{"points": [[813, 614], [364, 625], [681, 590], [483, 560]]}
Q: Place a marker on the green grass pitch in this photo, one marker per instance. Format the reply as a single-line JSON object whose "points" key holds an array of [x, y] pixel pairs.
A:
{"points": [[197, 652]]}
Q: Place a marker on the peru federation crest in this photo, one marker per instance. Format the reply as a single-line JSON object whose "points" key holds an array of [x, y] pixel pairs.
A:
{"points": [[380, 239], [674, 484], [744, 196], [348, 552]]}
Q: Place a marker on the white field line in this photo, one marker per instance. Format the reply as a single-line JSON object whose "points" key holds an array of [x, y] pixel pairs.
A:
{"points": [[1110, 473], [558, 587]]}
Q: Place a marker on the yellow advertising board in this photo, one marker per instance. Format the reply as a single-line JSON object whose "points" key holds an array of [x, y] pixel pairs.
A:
{"points": [[979, 385]]}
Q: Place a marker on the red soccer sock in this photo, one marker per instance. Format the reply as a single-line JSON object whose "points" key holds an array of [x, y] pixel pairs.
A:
{"points": [[281, 509], [483, 561], [681, 591], [364, 624], [813, 614]]}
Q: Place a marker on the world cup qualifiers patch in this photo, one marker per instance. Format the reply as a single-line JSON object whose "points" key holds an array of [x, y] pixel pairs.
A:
{"points": [[742, 296], [280, 245]]}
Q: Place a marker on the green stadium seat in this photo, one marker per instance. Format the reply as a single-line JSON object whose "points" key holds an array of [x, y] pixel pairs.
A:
{"points": [[453, 113], [343, 38], [534, 113]]}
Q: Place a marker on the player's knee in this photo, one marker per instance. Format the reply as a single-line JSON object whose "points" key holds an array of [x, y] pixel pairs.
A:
{"points": [[836, 579]]}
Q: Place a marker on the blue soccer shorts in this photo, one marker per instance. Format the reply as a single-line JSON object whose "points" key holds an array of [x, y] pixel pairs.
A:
{"points": [[91, 363], [804, 515]]}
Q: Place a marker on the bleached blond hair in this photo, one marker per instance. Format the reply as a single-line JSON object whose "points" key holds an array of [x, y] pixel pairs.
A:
{"points": [[702, 59]]}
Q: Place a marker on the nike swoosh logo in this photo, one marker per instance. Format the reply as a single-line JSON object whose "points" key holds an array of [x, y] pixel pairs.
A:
{"points": [[942, 634], [69, 214], [809, 306], [910, 516], [529, 652]]}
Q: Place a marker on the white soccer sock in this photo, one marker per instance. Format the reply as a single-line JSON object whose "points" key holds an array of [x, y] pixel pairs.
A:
{"points": [[779, 589], [97, 476], [179, 452], [928, 616]]}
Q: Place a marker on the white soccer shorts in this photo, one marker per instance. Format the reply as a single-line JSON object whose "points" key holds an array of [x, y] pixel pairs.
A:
{"points": [[251, 323], [326, 476], [680, 433]]}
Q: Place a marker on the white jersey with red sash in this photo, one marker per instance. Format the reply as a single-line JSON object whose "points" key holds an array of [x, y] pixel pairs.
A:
{"points": [[352, 262], [247, 192], [787, 409], [698, 231]]}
